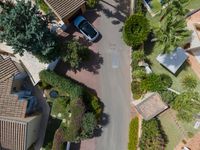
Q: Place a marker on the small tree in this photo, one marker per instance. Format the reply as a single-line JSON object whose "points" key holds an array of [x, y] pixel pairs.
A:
{"points": [[74, 54], [136, 30], [189, 82]]}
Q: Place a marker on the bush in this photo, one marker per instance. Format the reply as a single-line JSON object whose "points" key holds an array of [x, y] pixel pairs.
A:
{"points": [[43, 6], [167, 96], [93, 103], [139, 74], [136, 30], [189, 82], [63, 84], [136, 57], [153, 136], [91, 3], [152, 83], [133, 134], [136, 89], [89, 123], [166, 80]]}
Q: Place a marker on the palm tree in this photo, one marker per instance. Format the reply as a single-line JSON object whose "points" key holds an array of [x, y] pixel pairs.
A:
{"points": [[172, 33]]}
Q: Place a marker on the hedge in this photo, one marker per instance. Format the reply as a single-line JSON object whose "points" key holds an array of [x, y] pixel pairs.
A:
{"points": [[64, 84], [133, 134]]}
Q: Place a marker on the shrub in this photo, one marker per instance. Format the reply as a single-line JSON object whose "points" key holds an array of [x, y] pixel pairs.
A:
{"points": [[189, 82], [136, 57], [166, 80], [136, 89], [152, 83], [43, 6], [139, 74], [133, 134], [93, 103], [63, 84], [89, 123], [167, 96], [190, 134], [153, 136], [44, 85], [91, 3], [136, 30]]}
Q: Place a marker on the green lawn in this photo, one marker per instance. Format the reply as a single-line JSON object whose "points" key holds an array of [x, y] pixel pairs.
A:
{"points": [[193, 4], [175, 133]]}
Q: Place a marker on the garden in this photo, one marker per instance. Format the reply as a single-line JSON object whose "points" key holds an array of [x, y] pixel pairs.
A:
{"points": [[75, 111], [150, 36]]}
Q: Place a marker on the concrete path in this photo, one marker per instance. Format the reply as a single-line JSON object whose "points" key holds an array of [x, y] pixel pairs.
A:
{"points": [[114, 75]]}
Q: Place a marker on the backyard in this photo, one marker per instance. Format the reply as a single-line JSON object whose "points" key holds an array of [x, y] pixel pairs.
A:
{"points": [[175, 129]]}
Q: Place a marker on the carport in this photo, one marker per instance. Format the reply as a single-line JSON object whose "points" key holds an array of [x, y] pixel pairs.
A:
{"points": [[66, 10]]}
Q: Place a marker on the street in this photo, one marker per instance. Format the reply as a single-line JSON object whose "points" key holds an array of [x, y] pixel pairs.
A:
{"points": [[114, 76]]}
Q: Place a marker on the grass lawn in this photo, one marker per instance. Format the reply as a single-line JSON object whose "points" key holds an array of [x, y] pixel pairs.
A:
{"points": [[193, 4], [175, 133]]}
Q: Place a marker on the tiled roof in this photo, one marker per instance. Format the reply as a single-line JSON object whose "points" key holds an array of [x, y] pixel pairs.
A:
{"points": [[64, 7], [9, 103], [151, 106], [7, 69]]}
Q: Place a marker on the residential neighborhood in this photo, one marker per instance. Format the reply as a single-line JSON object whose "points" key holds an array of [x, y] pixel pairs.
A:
{"points": [[99, 74]]}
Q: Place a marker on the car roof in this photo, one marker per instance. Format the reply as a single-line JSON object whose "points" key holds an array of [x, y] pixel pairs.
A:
{"points": [[78, 20]]}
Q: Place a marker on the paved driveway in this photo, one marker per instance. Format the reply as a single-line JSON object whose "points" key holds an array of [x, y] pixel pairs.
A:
{"points": [[114, 75]]}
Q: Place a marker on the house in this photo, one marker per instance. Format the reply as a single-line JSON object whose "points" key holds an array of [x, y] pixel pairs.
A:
{"points": [[150, 106], [19, 122], [174, 60], [30, 63], [66, 10]]}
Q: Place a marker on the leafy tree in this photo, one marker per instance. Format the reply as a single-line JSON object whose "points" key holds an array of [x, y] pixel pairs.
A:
{"points": [[172, 33], [89, 123], [189, 82], [166, 80], [153, 136], [136, 30], [187, 104], [136, 57], [168, 96], [139, 74], [74, 54], [136, 89], [25, 29]]}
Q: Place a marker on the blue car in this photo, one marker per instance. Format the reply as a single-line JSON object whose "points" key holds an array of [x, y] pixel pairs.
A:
{"points": [[86, 28]]}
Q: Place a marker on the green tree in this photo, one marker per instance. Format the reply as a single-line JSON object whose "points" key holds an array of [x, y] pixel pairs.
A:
{"points": [[172, 33], [187, 104], [91, 3], [74, 53], [136, 30], [89, 123], [189, 82], [25, 29]]}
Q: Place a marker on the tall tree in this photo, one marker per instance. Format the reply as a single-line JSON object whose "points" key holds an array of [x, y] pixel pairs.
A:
{"points": [[25, 29], [172, 33]]}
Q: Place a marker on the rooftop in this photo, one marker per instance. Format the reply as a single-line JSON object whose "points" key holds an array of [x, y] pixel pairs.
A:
{"points": [[9, 104], [62, 8], [174, 60], [150, 106]]}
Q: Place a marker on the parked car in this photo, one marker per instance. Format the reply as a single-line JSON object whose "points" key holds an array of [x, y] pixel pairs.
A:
{"points": [[86, 28]]}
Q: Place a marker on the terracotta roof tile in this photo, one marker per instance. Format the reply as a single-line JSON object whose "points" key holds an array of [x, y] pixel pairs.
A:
{"points": [[64, 7]]}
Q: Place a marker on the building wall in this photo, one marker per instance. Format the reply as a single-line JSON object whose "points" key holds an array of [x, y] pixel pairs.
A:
{"points": [[12, 134], [33, 130]]}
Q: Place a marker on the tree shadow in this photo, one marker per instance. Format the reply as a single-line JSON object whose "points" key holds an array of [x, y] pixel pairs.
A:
{"points": [[149, 45], [119, 14], [104, 121], [93, 65]]}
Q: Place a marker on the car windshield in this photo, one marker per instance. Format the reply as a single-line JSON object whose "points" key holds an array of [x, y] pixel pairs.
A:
{"points": [[87, 29]]}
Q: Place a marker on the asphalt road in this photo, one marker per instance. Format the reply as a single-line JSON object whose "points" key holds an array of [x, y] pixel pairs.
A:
{"points": [[114, 76]]}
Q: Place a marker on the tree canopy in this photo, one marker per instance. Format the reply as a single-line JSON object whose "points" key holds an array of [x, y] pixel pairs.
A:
{"points": [[136, 30], [25, 29], [187, 104]]}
